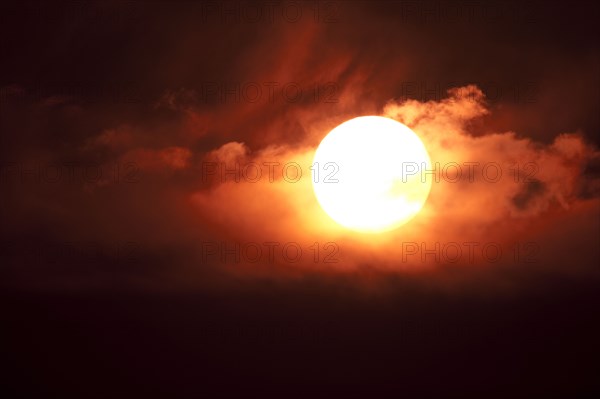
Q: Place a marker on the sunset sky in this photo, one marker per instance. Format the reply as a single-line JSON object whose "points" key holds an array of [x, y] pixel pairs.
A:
{"points": [[160, 232]]}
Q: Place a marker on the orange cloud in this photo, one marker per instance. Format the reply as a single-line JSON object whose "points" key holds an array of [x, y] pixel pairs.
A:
{"points": [[503, 177]]}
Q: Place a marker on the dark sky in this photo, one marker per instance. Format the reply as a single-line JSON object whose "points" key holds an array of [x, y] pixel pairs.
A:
{"points": [[110, 112]]}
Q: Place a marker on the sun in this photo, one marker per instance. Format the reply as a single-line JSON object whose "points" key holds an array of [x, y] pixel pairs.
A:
{"points": [[369, 174]]}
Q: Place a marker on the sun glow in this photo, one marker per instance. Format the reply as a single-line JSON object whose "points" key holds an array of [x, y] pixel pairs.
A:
{"points": [[367, 174]]}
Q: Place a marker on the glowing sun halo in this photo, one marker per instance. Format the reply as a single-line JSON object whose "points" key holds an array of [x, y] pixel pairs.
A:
{"points": [[367, 174]]}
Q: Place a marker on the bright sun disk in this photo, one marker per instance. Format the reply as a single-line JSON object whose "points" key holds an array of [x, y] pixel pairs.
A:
{"points": [[367, 174]]}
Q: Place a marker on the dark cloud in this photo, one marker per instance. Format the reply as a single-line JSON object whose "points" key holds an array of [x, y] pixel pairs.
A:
{"points": [[531, 189]]}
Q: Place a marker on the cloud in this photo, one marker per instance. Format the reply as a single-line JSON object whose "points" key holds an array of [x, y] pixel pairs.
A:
{"points": [[498, 172], [214, 180], [169, 159], [508, 184]]}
